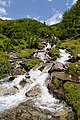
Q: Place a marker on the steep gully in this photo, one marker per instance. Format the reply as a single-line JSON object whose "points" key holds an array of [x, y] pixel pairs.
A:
{"points": [[12, 93]]}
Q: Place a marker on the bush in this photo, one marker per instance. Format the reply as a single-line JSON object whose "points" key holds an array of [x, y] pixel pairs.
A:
{"points": [[5, 67]]}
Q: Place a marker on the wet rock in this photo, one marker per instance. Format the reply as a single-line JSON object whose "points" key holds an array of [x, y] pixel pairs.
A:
{"points": [[54, 58], [6, 91], [72, 60], [16, 87], [63, 114], [23, 82], [19, 71], [26, 111], [41, 68], [12, 78], [57, 67], [78, 57], [33, 92], [59, 92], [65, 76], [27, 76]]}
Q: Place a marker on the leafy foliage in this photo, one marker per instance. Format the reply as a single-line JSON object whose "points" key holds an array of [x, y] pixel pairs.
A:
{"points": [[5, 66], [24, 32], [69, 27]]}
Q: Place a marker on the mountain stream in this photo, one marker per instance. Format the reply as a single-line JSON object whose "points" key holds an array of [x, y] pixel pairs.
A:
{"points": [[12, 93]]}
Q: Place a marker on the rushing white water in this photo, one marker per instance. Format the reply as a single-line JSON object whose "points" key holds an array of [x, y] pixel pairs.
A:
{"points": [[12, 93], [47, 47], [64, 56]]}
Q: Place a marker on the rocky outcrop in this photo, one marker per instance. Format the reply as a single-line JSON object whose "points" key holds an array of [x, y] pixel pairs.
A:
{"points": [[34, 92], [19, 71], [57, 67], [63, 76], [26, 111]]}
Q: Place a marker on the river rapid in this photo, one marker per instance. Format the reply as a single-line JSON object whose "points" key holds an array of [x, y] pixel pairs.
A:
{"points": [[12, 93]]}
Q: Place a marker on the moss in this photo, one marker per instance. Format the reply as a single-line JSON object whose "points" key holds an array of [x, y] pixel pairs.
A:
{"points": [[25, 53], [57, 82], [31, 63], [54, 52], [74, 68], [72, 95]]}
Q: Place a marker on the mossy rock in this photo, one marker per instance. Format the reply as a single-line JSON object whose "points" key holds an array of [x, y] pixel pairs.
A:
{"points": [[74, 68], [31, 63], [57, 82], [54, 52], [25, 53], [72, 96]]}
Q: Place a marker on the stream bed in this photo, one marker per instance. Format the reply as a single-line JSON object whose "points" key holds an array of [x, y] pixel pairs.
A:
{"points": [[12, 93]]}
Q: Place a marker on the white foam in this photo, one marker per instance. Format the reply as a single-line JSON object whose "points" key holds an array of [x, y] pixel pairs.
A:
{"points": [[45, 100], [64, 56]]}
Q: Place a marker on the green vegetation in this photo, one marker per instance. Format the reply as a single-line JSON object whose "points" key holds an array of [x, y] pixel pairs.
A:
{"points": [[74, 68], [4, 43], [25, 53], [25, 32], [22, 37], [54, 52], [71, 45], [5, 67], [72, 96], [31, 63], [57, 82], [69, 27]]}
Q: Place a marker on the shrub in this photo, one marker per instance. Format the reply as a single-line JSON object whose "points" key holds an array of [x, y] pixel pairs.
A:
{"points": [[5, 67]]}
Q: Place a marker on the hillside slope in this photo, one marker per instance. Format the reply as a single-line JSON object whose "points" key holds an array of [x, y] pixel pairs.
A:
{"points": [[69, 27]]}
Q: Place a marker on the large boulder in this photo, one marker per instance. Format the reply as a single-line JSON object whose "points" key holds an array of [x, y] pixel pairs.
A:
{"points": [[64, 76], [19, 71], [57, 67]]}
